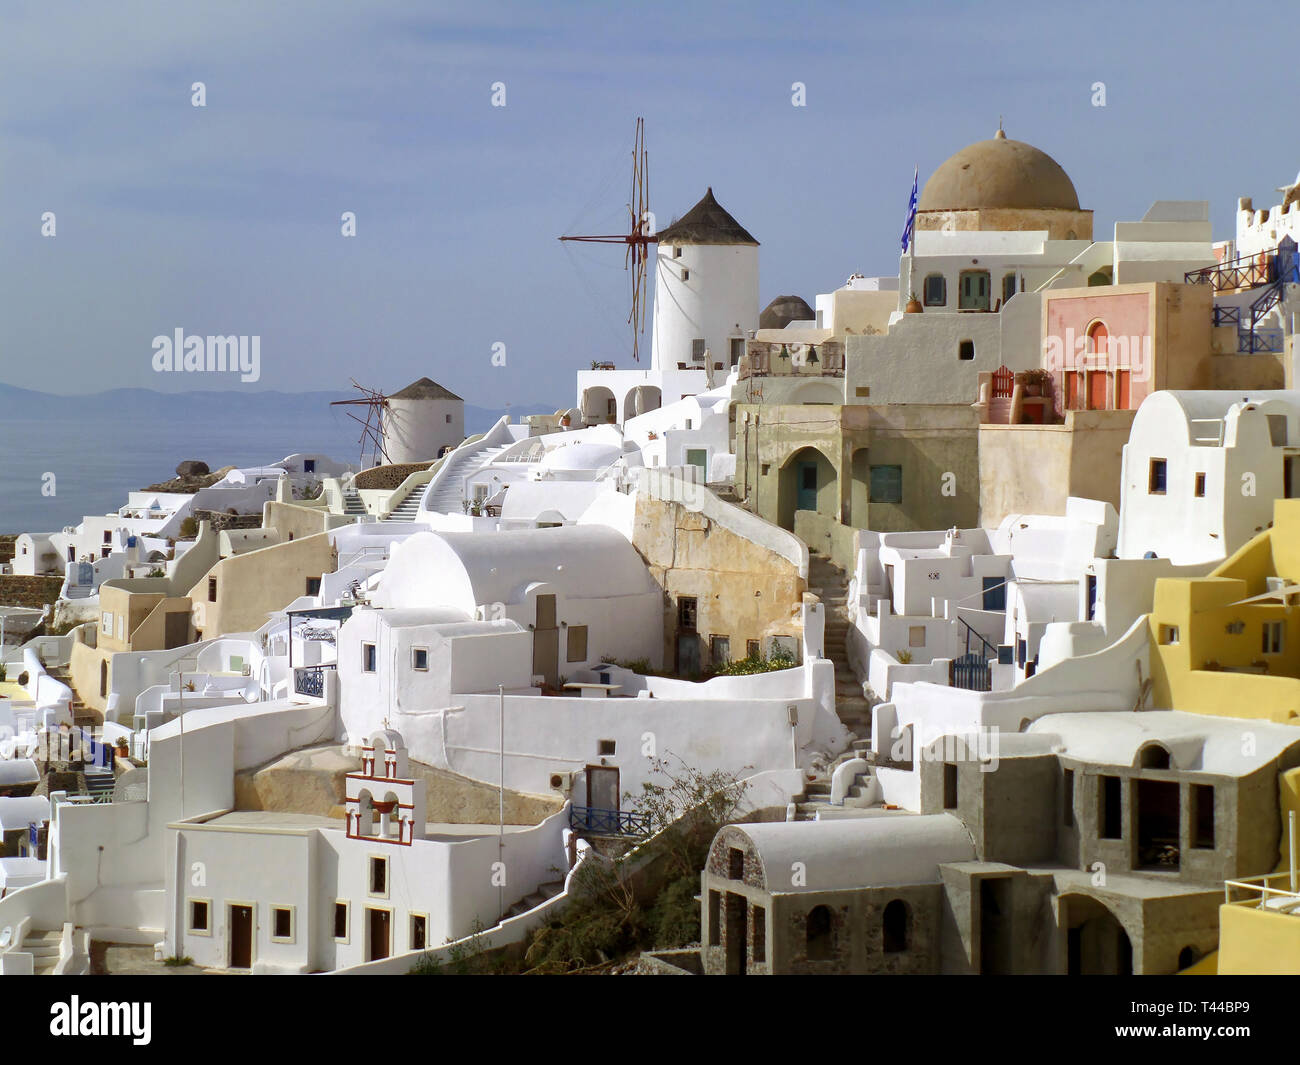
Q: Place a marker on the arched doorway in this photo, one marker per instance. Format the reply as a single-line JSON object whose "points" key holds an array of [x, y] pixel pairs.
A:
{"points": [[641, 400], [598, 405], [807, 482], [1096, 943]]}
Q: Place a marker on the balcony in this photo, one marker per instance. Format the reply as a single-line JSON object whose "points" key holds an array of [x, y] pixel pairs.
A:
{"points": [[763, 359], [1274, 891]]}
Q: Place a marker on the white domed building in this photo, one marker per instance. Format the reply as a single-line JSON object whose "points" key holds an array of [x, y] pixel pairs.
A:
{"points": [[422, 421]]}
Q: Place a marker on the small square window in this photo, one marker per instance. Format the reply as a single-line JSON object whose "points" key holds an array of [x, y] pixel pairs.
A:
{"points": [[886, 484], [686, 274], [282, 924], [936, 290], [966, 350], [1272, 641], [719, 650], [753, 649], [420, 659], [379, 876], [200, 909], [313, 586], [767, 468], [606, 747], [916, 636], [419, 931], [341, 921], [367, 658], [1200, 484], [1168, 634], [108, 537], [677, 253], [687, 608], [1156, 477], [735, 863], [212, 589], [448, 419]]}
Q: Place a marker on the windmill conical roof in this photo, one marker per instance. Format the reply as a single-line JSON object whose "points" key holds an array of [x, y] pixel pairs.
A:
{"points": [[706, 223], [424, 388]]}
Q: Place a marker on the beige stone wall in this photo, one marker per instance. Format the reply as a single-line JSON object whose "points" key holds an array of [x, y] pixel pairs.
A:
{"points": [[294, 521], [744, 591], [1059, 223], [251, 586], [1033, 469]]}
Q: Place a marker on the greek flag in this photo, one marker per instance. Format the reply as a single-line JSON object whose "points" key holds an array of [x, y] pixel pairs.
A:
{"points": [[910, 226]]}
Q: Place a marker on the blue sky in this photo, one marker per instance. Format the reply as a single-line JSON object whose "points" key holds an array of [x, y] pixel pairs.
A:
{"points": [[225, 219]]}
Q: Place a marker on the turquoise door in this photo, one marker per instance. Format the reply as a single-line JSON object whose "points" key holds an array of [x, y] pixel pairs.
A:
{"points": [[807, 494]]}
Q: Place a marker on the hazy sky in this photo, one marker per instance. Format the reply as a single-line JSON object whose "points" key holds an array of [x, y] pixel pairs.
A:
{"points": [[226, 218]]}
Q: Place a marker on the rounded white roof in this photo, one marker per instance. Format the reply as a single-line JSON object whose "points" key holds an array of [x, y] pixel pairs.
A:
{"points": [[583, 456], [1198, 742], [887, 850], [466, 569]]}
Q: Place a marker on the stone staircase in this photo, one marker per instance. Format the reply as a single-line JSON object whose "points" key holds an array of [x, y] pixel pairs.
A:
{"points": [[352, 504], [544, 893], [43, 945], [409, 508], [100, 784], [831, 585]]}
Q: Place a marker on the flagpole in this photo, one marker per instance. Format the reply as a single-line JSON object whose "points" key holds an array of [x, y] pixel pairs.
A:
{"points": [[911, 244]]}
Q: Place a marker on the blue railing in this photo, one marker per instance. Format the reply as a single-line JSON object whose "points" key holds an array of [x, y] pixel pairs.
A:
{"points": [[609, 822], [309, 680]]}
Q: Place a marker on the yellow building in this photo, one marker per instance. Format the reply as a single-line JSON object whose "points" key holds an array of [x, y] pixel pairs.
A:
{"points": [[1229, 643], [1259, 923]]}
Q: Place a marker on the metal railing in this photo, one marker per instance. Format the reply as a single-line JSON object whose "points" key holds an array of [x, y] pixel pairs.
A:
{"points": [[1245, 271], [1259, 890], [609, 822], [310, 680]]}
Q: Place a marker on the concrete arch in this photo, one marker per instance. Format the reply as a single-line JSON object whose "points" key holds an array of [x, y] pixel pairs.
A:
{"points": [[1093, 940], [808, 480], [641, 400]]}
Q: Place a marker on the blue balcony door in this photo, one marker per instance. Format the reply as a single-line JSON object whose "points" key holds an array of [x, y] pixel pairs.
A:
{"points": [[807, 494]]}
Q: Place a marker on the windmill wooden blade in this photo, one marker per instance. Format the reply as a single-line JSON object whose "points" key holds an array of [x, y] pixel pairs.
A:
{"points": [[637, 239]]}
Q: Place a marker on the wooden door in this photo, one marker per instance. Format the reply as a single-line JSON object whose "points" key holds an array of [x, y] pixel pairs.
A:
{"points": [[1122, 389], [546, 641], [1072, 390], [602, 788], [1097, 390], [378, 921], [241, 937], [807, 490]]}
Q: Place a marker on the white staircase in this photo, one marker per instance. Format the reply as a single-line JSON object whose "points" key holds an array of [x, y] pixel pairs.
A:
{"points": [[43, 945], [409, 508], [448, 485]]}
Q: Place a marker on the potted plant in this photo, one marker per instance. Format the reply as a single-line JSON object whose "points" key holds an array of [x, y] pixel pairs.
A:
{"points": [[1036, 382], [565, 421], [913, 304]]}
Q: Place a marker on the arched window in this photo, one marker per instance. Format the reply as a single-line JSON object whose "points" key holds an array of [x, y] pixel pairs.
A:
{"points": [[896, 921], [1155, 756], [1098, 339], [818, 931]]}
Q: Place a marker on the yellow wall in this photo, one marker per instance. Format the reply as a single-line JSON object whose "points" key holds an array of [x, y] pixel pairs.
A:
{"points": [[252, 585], [1258, 942], [1203, 609]]}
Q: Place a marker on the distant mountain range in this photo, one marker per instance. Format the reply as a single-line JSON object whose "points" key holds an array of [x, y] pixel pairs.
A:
{"points": [[144, 403]]}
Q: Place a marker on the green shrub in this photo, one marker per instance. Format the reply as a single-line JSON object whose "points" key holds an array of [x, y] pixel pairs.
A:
{"points": [[904, 656], [675, 916], [189, 529], [756, 664]]}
